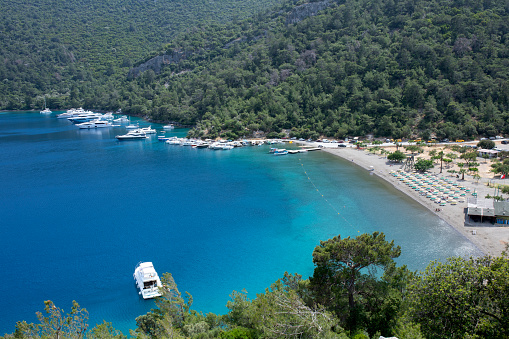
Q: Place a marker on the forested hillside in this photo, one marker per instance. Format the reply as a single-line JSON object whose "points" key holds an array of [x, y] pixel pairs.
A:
{"points": [[335, 68], [80, 49], [393, 68]]}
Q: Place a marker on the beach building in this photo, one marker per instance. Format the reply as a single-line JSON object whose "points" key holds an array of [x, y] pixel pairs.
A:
{"points": [[489, 152], [488, 210]]}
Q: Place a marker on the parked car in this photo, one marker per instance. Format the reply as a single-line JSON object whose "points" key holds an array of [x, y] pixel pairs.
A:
{"points": [[341, 145]]}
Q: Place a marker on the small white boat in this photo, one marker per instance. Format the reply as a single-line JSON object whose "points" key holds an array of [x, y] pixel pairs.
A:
{"points": [[95, 124], [84, 117], [168, 127], [108, 116], [148, 130], [122, 119], [133, 126], [173, 141], [147, 280], [71, 113], [46, 110], [132, 135], [280, 151]]}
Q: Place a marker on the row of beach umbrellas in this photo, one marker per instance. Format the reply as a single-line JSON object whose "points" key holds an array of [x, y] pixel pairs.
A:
{"points": [[441, 190]]}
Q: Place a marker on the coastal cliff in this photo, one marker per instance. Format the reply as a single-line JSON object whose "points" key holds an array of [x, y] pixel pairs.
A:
{"points": [[156, 63]]}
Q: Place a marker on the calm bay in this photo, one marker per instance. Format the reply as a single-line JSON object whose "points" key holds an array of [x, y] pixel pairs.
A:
{"points": [[80, 209]]}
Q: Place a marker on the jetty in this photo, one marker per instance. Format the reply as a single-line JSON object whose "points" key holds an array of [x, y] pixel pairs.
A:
{"points": [[304, 150]]}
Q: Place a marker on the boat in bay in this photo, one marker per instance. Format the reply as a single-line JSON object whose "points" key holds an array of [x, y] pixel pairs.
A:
{"points": [[148, 130], [122, 119], [46, 110], [84, 117], [147, 280], [94, 124], [132, 135]]}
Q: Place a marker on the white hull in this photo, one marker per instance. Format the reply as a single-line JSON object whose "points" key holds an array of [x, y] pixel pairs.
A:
{"points": [[147, 281], [94, 124]]}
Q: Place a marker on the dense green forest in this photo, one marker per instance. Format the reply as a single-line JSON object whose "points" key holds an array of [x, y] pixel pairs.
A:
{"points": [[334, 68], [396, 69], [356, 291], [74, 51]]}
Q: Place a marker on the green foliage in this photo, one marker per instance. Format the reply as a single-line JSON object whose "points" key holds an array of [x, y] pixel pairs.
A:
{"points": [[105, 331], [462, 298], [238, 333], [340, 284], [78, 53], [397, 156], [56, 323], [500, 167], [486, 144], [423, 165]]}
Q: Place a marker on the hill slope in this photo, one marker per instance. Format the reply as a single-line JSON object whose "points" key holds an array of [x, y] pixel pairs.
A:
{"points": [[431, 68], [49, 46]]}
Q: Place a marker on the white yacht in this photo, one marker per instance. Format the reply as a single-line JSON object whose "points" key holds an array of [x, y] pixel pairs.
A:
{"points": [[94, 124], [147, 280], [122, 119], [148, 130], [84, 117], [168, 127], [133, 126], [173, 141], [132, 135], [71, 113]]}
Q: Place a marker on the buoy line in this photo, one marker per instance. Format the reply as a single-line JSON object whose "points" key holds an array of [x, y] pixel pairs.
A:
{"points": [[324, 198]]}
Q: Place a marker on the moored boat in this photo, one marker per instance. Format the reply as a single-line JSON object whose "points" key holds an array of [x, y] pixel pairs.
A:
{"points": [[148, 130], [132, 135], [122, 119], [133, 126], [95, 124], [147, 280], [46, 110]]}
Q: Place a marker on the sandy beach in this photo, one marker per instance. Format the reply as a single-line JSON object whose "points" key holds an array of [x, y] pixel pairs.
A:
{"points": [[488, 238]]}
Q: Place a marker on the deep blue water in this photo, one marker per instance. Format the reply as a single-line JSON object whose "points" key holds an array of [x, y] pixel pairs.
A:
{"points": [[78, 211]]}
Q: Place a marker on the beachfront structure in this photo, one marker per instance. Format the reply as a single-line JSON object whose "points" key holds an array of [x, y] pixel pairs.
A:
{"points": [[489, 152], [481, 210]]}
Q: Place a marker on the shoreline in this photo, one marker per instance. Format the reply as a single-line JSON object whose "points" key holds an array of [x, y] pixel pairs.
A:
{"points": [[489, 239]]}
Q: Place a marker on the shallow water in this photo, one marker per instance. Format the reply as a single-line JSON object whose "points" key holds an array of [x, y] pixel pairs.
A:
{"points": [[79, 210]]}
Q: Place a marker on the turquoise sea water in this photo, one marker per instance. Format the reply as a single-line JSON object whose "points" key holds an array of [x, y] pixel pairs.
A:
{"points": [[78, 211]]}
